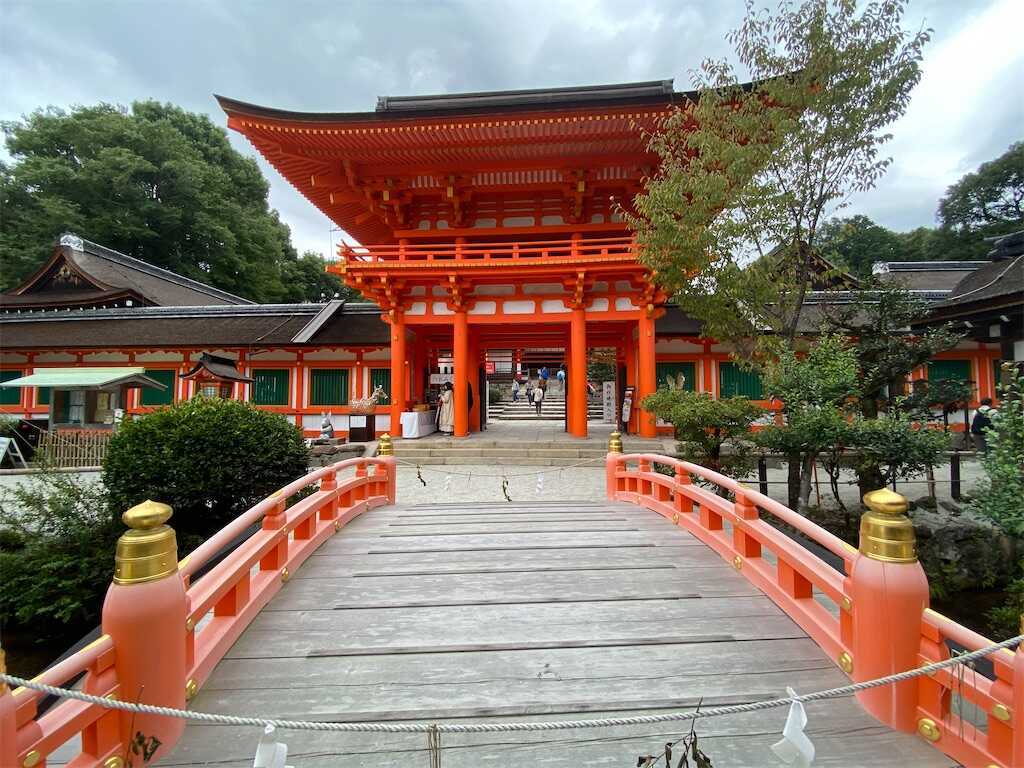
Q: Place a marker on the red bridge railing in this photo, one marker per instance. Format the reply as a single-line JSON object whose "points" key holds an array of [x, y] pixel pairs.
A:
{"points": [[871, 617], [162, 634]]}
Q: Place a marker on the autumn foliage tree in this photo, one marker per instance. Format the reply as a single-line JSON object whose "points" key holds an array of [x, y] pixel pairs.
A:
{"points": [[749, 171]]}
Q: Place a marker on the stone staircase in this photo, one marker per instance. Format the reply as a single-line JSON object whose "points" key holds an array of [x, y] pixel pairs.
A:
{"points": [[508, 452], [553, 408]]}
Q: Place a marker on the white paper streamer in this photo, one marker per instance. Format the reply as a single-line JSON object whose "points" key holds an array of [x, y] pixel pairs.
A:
{"points": [[795, 749], [540, 484], [269, 753], [447, 483]]}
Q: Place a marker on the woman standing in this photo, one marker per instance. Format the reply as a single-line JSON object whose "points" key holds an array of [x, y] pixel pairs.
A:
{"points": [[446, 409], [538, 397]]}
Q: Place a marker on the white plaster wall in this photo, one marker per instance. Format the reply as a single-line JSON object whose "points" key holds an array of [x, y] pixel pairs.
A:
{"points": [[54, 357], [677, 347], [161, 357], [330, 354], [106, 357], [260, 356], [598, 305], [377, 354], [519, 307], [484, 308], [553, 306]]}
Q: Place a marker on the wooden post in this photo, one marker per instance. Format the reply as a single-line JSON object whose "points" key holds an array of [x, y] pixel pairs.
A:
{"points": [[8, 722], [1018, 701], [954, 475], [460, 360], [144, 614], [611, 465], [398, 376], [647, 381], [890, 593], [578, 374]]}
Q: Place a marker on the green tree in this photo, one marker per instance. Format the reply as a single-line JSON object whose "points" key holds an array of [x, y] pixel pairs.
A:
{"points": [[750, 172], [856, 243], [306, 279], [155, 182], [814, 390], [210, 459], [705, 427], [989, 201]]}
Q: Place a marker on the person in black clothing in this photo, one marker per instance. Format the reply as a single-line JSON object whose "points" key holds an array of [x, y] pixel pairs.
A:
{"points": [[982, 421]]}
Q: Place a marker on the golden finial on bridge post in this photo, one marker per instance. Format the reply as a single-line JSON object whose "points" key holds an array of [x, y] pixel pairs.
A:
{"points": [[615, 442], [886, 533], [149, 550], [385, 447]]}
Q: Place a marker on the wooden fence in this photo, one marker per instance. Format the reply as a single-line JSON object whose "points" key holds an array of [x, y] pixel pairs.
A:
{"points": [[67, 448]]}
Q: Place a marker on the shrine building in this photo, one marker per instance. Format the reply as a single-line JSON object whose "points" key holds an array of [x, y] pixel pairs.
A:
{"points": [[487, 238]]}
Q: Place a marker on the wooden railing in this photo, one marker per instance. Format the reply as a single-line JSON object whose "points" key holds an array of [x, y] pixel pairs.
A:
{"points": [[74, 447], [619, 248], [163, 636], [871, 616]]}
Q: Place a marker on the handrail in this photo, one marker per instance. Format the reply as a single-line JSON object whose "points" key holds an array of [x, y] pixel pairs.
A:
{"points": [[202, 554], [215, 611], [477, 251], [975, 718]]}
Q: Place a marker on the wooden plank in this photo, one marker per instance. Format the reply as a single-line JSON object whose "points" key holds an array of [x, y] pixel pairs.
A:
{"points": [[328, 563], [842, 734], [495, 589], [284, 634], [353, 542]]}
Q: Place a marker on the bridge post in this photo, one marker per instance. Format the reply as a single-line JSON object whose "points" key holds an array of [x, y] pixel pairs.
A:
{"points": [[890, 593], [145, 613], [1018, 701], [386, 451], [611, 465], [8, 722]]}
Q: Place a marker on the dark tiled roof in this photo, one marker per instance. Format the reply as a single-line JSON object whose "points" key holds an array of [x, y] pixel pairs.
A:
{"points": [[201, 326], [997, 280], [481, 102], [110, 276], [221, 367], [675, 322], [926, 275]]}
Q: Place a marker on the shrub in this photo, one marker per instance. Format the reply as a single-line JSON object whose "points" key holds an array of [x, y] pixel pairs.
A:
{"points": [[56, 554], [210, 459], [495, 393], [705, 426]]}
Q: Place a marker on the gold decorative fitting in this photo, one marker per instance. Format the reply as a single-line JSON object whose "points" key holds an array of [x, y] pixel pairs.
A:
{"points": [[847, 604], [886, 533], [385, 447], [675, 518], [285, 575], [149, 551], [33, 758], [189, 624], [845, 661], [337, 525], [1002, 712], [615, 442], [927, 728], [737, 562], [191, 689], [114, 762]]}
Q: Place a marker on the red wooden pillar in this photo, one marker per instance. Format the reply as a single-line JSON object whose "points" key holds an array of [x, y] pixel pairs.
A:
{"points": [[460, 361], [646, 379], [578, 374], [398, 377]]}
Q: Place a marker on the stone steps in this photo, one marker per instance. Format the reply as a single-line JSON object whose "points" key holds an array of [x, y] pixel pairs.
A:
{"points": [[555, 453]]}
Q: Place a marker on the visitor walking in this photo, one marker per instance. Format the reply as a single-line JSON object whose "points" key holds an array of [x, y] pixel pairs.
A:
{"points": [[515, 390], [538, 397], [544, 374], [446, 410], [982, 421], [529, 389]]}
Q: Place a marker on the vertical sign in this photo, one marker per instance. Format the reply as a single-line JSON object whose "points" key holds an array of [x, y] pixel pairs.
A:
{"points": [[608, 402]]}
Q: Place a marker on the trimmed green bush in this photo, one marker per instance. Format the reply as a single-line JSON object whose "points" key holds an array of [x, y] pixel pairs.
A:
{"points": [[210, 459]]}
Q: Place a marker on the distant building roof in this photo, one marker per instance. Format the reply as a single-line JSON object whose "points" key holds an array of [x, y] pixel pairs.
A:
{"points": [[925, 275], [210, 326], [83, 274]]}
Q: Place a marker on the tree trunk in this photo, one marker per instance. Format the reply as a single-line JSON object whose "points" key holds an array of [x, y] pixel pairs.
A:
{"points": [[869, 479], [793, 480], [806, 474]]}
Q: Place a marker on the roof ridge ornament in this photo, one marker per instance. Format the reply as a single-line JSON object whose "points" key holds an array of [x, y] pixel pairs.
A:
{"points": [[72, 241]]}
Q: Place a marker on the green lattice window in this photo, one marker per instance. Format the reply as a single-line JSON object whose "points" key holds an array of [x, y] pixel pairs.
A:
{"points": [[733, 381], [160, 396], [270, 386], [43, 395], [328, 386], [665, 371], [10, 395], [959, 370], [380, 377]]}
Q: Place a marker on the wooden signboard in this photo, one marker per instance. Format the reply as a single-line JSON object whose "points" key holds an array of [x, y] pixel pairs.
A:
{"points": [[10, 445]]}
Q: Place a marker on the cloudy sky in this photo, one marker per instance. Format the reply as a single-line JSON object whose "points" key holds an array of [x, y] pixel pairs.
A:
{"points": [[339, 55]]}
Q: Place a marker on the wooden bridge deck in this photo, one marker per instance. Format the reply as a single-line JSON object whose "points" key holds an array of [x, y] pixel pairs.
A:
{"points": [[535, 611]]}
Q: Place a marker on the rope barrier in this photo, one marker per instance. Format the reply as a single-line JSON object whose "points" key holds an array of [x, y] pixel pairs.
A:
{"points": [[500, 475], [508, 727]]}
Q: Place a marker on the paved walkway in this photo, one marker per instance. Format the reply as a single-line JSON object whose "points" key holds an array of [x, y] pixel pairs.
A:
{"points": [[533, 611]]}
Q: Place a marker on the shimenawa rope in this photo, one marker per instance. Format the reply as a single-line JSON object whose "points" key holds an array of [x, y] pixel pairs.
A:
{"points": [[439, 728]]}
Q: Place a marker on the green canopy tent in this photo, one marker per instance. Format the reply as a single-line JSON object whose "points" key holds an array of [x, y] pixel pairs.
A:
{"points": [[86, 397]]}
